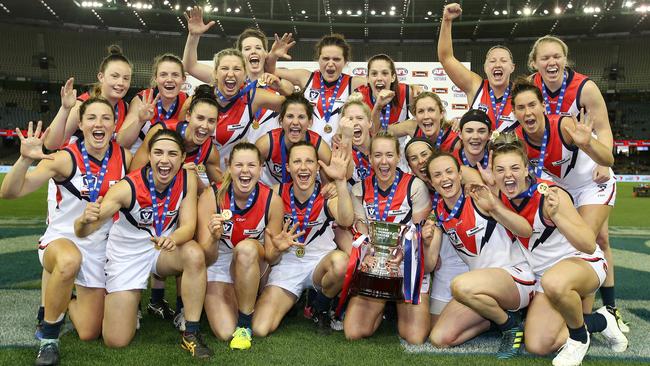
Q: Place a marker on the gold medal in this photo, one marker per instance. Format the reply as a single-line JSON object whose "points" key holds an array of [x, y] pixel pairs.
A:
{"points": [[300, 251], [542, 188], [256, 124], [226, 214], [261, 83], [328, 129], [201, 168]]}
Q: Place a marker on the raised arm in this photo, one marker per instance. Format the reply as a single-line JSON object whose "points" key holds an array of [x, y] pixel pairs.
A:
{"points": [[142, 155], [209, 226], [580, 133], [488, 204], [431, 241], [464, 78], [559, 208], [341, 205], [266, 99], [139, 113], [65, 123], [96, 213], [278, 236], [196, 28], [279, 50]]}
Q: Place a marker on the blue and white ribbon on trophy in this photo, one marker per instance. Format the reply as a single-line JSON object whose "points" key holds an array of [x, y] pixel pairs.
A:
{"points": [[413, 264]]}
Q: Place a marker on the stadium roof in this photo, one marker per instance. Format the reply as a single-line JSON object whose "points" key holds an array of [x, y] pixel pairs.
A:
{"points": [[362, 19]]}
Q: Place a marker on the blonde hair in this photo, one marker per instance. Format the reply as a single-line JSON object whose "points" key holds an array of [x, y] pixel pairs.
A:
{"points": [[226, 181], [547, 38], [386, 136], [356, 98], [228, 52], [507, 142], [427, 94]]}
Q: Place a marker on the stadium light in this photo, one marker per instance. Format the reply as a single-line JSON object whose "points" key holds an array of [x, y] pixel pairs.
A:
{"points": [[207, 8], [383, 13], [569, 5], [496, 12], [237, 10], [392, 12], [545, 12], [557, 11], [359, 12], [339, 12], [527, 11], [392, 8], [629, 4], [349, 12], [504, 12], [372, 12], [177, 6], [518, 12], [597, 9], [228, 10], [429, 13]]}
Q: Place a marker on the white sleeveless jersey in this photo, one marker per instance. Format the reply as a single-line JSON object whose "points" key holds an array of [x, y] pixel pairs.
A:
{"points": [[312, 93], [480, 241], [507, 120]]}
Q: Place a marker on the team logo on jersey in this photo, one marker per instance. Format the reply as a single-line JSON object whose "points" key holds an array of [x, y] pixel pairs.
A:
{"points": [[227, 228], [276, 169], [454, 238], [602, 187], [313, 94], [146, 217], [400, 71], [420, 74], [483, 107], [440, 90], [86, 184], [370, 210], [360, 71]]}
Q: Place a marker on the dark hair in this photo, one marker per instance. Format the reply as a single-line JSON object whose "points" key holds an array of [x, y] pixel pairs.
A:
{"points": [[114, 54], [254, 33], [476, 115], [167, 57], [337, 40], [440, 154], [296, 98], [204, 93], [303, 143], [165, 134], [394, 86], [419, 139], [226, 180], [522, 84], [386, 136], [93, 100]]}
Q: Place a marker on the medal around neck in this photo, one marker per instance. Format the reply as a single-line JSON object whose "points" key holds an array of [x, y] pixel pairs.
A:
{"points": [[542, 188], [226, 214]]}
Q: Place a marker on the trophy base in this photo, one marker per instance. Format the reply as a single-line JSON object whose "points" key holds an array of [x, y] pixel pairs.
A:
{"points": [[379, 287]]}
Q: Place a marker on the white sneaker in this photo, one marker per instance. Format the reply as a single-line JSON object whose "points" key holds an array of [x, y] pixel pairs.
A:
{"points": [[336, 324], [572, 353], [179, 321], [613, 335]]}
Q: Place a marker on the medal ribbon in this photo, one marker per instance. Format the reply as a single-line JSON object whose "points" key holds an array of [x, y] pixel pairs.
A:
{"points": [[328, 107], [527, 193], [249, 202], [246, 89], [93, 192], [305, 220], [159, 221], [483, 162], [542, 151], [560, 97], [498, 108], [283, 154], [384, 117], [454, 211], [389, 199], [439, 138], [363, 168], [116, 111], [162, 112], [197, 158]]}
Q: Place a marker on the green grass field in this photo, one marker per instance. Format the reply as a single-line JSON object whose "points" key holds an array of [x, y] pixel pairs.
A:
{"points": [[21, 222]]}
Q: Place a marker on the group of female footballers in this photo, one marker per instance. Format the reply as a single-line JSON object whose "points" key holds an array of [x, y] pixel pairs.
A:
{"points": [[249, 193]]}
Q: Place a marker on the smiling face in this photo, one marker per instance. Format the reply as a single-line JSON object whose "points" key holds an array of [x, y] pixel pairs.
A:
{"points": [[550, 61], [303, 166], [245, 168], [169, 79], [166, 159], [428, 116], [445, 177], [380, 76], [331, 62], [296, 122], [510, 172], [97, 125], [115, 80], [230, 75], [417, 155], [361, 132], [529, 111], [475, 136], [202, 123], [254, 54], [498, 67], [384, 159]]}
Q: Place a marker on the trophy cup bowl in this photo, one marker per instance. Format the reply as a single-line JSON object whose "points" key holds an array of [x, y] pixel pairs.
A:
{"points": [[379, 273]]}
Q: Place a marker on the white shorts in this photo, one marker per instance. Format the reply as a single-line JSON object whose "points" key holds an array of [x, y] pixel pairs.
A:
{"points": [[436, 306], [130, 272], [597, 262], [595, 194], [93, 258], [219, 271], [525, 281], [450, 266], [293, 274]]}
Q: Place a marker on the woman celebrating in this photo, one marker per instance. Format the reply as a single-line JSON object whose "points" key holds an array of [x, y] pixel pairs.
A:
{"points": [[311, 259], [253, 45], [162, 102], [564, 257], [475, 127], [429, 122], [296, 120], [196, 133], [491, 95], [114, 81], [499, 280], [156, 218], [393, 196], [328, 87], [82, 173], [231, 231]]}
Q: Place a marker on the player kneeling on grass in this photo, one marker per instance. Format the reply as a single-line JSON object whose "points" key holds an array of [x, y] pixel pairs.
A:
{"points": [[564, 257], [500, 279], [231, 230], [304, 252], [156, 209], [82, 172]]}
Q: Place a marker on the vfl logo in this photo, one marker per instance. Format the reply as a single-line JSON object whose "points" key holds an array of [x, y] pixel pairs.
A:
{"points": [[602, 187], [483, 107], [276, 169], [87, 183], [360, 71], [227, 228], [454, 238], [370, 210], [146, 217], [400, 71], [420, 74], [313, 94], [287, 219]]}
